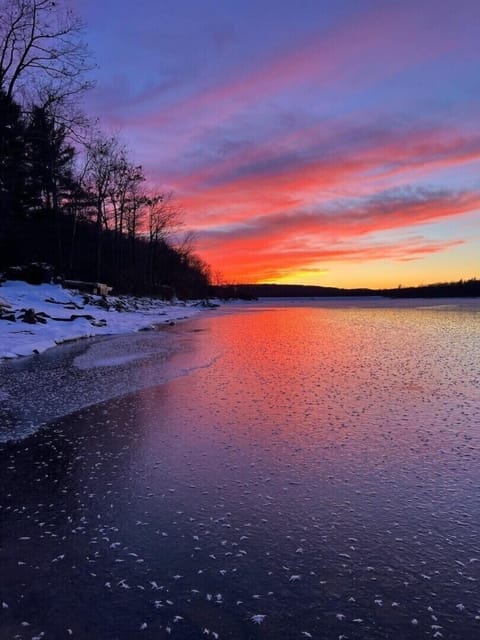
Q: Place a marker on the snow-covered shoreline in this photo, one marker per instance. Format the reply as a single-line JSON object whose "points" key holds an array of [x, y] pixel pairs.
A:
{"points": [[61, 315]]}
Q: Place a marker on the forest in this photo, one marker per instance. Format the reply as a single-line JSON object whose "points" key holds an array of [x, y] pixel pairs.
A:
{"points": [[70, 196], [460, 289]]}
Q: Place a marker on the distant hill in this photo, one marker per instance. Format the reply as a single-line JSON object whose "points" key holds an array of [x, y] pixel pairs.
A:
{"points": [[252, 291], [460, 289]]}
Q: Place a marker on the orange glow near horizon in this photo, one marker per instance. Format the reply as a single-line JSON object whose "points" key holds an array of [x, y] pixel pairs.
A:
{"points": [[286, 225]]}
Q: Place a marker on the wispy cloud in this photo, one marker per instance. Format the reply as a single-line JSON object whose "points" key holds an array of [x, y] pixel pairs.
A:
{"points": [[291, 137], [270, 264], [293, 240], [263, 181]]}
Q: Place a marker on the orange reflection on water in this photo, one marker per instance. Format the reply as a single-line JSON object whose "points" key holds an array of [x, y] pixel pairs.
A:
{"points": [[345, 386]]}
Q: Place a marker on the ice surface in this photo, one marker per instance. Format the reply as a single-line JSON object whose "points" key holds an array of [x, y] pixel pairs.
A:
{"points": [[38, 389], [320, 476]]}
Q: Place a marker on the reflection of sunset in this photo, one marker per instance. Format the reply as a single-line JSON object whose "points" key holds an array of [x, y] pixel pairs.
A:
{"points": [[293, 454], [309, 376]]}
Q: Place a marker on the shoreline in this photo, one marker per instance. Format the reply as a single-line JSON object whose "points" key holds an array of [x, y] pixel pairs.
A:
{"points": [[93, 369], [34, 318], [39, 389]]}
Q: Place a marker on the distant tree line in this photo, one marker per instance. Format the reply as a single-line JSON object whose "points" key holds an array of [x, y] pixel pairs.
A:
{"points": [[460, 289], [253, 291], [69, 193]]}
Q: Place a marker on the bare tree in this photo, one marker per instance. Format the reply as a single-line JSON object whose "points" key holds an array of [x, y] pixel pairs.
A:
{"points": [[116, 187], [43, 58], [218, 279], [186, 247], [124, 192], [118, 191], [103, 154], [163, 216]]}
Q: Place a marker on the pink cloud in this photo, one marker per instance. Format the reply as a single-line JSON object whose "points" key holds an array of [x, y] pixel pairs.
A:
{"points": [[245, 266], [291, 241], [355, 53], [308, 183]]}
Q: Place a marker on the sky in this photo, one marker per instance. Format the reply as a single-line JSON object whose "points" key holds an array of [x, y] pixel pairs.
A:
{"points": [[321, 142]]}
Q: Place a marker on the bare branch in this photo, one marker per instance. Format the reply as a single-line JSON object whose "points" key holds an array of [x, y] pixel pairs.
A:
{"points": [[164, 217], [41, 44]]}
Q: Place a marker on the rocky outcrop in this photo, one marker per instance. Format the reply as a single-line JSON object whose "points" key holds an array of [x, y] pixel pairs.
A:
{"points": [[33, 273]]}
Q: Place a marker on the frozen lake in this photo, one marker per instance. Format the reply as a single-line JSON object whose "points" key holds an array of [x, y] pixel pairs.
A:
{"points": [[293, 471]]}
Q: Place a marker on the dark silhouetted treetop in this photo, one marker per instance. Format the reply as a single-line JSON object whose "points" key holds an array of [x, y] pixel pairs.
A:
{"points": [[43, 58]]}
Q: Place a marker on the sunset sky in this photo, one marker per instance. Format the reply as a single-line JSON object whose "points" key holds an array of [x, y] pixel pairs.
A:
{"points": [[327, 142]]}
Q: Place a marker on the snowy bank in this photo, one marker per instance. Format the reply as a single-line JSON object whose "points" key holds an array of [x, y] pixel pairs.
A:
{"points": [[34, 318]]}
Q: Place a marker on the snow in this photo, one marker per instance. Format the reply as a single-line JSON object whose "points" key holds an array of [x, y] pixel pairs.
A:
{"points": [[105, 316]]}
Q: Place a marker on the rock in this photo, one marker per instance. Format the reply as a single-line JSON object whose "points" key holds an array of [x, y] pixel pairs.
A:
{"points": [[53, 301], [6, 311], [33, 273], [98, 323], [103, 303], [74, 316], [120, 305], [29, 316], [87, 316]]}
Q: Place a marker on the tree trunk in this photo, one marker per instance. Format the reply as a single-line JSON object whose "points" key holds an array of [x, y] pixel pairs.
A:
{"points": [[98, 260]]}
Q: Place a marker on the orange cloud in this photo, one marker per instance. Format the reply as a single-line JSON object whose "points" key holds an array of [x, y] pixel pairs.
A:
{"points": [[263, 214], [270, 209], [246, 266], [267, 184], [267, 245]]}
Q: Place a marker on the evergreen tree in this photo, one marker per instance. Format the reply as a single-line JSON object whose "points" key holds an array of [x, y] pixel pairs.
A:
{"points": [[50, 172], [50, 161], [12, 165]]}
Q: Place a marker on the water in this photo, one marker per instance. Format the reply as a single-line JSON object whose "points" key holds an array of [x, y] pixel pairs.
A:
{"points": [[317, 475]]}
